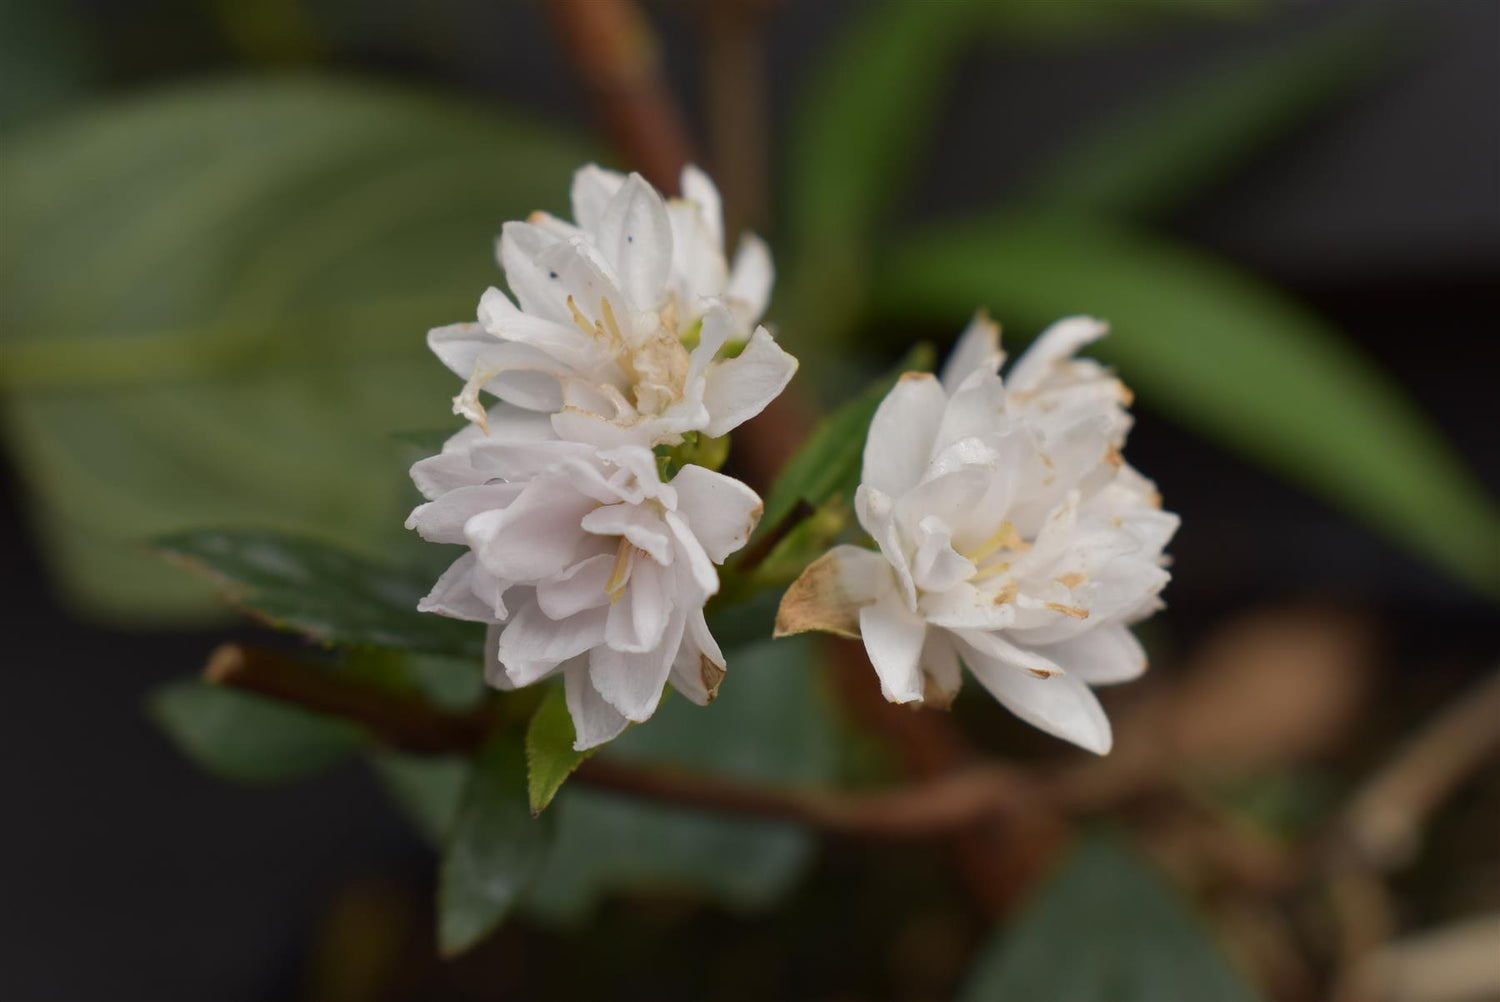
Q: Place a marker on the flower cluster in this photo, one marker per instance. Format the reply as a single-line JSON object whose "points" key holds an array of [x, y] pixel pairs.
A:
{"points": [[629, 332], [1012, 536]]}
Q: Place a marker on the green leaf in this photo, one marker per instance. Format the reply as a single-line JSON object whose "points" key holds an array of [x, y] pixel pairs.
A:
{"points": [[1178, 143], [322, 592], [550, 758], [768, 724], [247, 738], [428, 789], [215, 305], [496, 850], [828, 462], [1227, 357], [1105, 929]]}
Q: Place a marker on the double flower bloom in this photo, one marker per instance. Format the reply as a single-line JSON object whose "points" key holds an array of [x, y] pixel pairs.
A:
{"points": [[1011, 535]]}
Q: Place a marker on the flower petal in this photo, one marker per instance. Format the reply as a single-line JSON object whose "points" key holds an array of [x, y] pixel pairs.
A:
{"points": [[750, 280], [698, 668], [632, 683], [902, 434], [721, 511], [453, 594], [942, 674], [693, 559], [443, 520], [642, 526], [578, 588], [698, 188], [893, 637], [536, 536], [977, 350], [637, 621], [996, 647], [1104, 655], [739, 388], [564, 342], [593, 187], [877, 517], [532, 644], [594, 720], [537, 287], [831, 591], [1061, 705], [1056, 344], [635, 237]]}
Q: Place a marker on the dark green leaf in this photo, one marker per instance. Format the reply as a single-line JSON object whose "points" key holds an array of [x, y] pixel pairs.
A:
{"points": [[828, 462], [769, 724], [246, 738], [1105, 929], [321, 591], [429, 790], [1180, 142], [496, 850], [1226, 356], [550, 758], [215, 303]]}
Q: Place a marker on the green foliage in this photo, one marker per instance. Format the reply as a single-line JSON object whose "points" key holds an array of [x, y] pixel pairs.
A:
{"points": [[550, 758], [428, 789], [321, 591], [246, 738], [215, 300], [455, 684], [495, 851], [1105, 929], [768, 724], [1179, 142], [828, 463], [1226, 356]]}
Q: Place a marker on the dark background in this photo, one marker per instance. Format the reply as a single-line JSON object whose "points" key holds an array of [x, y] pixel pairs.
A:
{"points": [[125, 873]]}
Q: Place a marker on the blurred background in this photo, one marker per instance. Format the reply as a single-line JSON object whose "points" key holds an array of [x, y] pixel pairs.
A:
{"points": [[227, 226]]}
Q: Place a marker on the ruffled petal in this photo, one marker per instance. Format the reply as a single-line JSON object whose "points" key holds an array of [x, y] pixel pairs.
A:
{"points": [[632, 683], [1061, 705], [532, 644], [1057, 343], [594, 720], [635, 237], [902, 434], [750, 279], [893, 637], [831, 591], [698, 668], [1104, 655], [977, 350], [739, 388], [721, 511]]}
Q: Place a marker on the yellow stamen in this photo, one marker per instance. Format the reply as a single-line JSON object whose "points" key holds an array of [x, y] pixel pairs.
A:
{"points": [[609, 319], [619, 575], [580, 319], [1003, 538]]}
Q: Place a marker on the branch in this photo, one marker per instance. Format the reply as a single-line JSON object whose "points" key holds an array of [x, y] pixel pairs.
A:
{"points": [[615, 56], [940, 806]]}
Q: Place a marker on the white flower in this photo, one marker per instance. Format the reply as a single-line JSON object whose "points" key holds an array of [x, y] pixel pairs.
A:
{"points": [[620, 319], [1012, 536], [594, 566]]}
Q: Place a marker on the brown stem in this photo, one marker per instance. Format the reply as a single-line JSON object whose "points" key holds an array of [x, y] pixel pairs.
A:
{"points": [[615, 56], [939, 806], [734, 77]]}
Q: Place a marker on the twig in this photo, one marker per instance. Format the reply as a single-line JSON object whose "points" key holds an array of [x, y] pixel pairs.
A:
{"points": [[734, 78], [1384, 820], [614, 54], [939, 806]]}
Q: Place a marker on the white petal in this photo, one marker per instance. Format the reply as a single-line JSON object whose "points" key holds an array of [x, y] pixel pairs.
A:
{"points": [[992, 645], [593, 187], [533, 644], [893, 637], [1056, 344], [638, 619], [592, 429], [717, 327], [594, 720], [534, 538], [720, 510], [1104, 655], [1061, 705], [740, 388], [453, 595], [632, 683], [635, 237], [578, 588], [537, 288], [443, 520], [564, 342], [877, 517], [941, 671], [693, 559], [936, 567], [902, 434], [977, 350], [750, 279], [698, 188], [444, 472], [975, 410], [699, 666], [965, 607], [494, 671], [642, 526]]}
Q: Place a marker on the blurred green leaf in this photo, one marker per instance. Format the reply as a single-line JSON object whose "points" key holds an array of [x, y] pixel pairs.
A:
{"points": [[1085, 19], [45, 59], [428, 789], [496, 849], [828, 462], [768, 724], [550, 758], [322, 592], [1104, 929], [247, 738], [1227, 357], [1177, 143], [215, 306], [455, 684]]}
